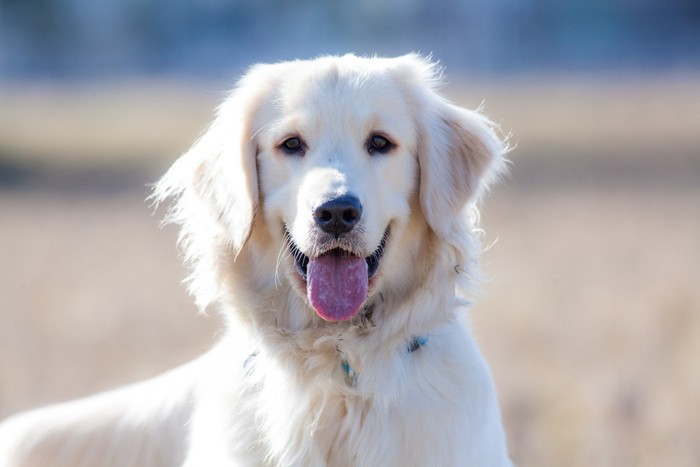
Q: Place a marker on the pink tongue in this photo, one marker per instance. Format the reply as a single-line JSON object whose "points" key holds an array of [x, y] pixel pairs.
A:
{"points": [[336, 285]]}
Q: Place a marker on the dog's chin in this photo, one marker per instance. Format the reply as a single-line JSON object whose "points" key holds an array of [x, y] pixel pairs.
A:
{"points": [[336, 282]]}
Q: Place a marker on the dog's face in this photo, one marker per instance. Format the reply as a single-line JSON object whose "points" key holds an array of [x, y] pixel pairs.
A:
{"points": [[338, 168], [344, 163]]}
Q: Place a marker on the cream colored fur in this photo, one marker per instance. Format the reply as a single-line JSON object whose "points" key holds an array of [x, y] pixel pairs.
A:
{"points": [[273, 392]]}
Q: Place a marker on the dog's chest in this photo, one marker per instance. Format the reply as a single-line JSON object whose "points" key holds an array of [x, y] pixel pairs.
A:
{"points": [[335, 411]]}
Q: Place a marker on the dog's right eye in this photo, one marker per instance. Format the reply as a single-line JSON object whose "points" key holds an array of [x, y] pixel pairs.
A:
{"points": [[293, 145]]}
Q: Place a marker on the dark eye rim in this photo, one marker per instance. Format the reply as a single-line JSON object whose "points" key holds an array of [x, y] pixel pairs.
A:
{"points": [[386, 145], [296, 148]]}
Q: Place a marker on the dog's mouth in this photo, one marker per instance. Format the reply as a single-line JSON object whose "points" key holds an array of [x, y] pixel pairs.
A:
{"points": [[337, 280], [301, 261]]}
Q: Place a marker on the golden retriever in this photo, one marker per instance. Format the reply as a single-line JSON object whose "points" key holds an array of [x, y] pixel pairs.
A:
{"points": [[329, 212]]}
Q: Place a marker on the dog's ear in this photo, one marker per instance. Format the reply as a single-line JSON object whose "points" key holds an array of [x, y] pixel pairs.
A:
{"points": [[459, 154], [214, 183]]}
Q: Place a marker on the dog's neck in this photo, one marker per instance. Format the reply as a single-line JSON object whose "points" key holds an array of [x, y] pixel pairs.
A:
{"points": [[350, 374]]}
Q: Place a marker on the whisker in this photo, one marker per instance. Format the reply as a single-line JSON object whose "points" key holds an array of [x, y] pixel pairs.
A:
{"points": [[282, 254]]}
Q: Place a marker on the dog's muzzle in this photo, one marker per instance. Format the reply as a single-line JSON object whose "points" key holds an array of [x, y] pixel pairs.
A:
{"points": [[337, 279]]}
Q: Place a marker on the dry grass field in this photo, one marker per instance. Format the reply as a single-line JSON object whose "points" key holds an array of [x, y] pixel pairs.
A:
{"points": [[590, 317]]}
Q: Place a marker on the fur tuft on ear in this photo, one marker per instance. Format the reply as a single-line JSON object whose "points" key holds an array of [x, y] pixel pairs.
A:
{"points": [[214, 193], [460, 155], [219, 174]]}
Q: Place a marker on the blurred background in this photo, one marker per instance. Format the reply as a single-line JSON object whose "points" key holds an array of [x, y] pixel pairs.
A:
{"points": [[591, 314]]}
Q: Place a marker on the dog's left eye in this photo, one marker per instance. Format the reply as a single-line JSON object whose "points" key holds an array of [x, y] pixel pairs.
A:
{"points": [[380, 144]]}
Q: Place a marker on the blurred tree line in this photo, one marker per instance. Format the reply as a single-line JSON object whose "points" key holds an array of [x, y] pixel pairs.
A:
{"points": [[83, 38]]}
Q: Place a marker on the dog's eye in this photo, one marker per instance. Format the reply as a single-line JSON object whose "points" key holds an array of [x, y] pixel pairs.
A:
{"points": [[380, 144], [293, 145]]}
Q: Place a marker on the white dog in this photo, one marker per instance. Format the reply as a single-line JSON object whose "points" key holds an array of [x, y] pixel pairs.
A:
{"points": [[329, 212]]}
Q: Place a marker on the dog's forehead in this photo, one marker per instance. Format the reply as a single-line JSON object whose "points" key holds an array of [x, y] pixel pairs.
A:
{"points": [[347, 84], [335, 94]]}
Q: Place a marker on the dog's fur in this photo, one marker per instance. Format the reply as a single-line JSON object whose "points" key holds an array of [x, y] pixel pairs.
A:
{"points": [[284, 386]]}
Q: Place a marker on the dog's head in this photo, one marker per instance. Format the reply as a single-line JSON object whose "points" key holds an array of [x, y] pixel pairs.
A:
{"points": [[335, 170]]}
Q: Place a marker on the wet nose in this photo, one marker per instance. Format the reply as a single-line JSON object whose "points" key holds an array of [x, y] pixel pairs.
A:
{"points": [[339, 215]]}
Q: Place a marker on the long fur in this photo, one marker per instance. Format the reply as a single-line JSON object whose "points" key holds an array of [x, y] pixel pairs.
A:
{"points": [[277, 390]]}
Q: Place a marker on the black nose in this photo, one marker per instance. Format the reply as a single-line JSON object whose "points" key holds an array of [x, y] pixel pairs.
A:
{"points": [[339, 215]]}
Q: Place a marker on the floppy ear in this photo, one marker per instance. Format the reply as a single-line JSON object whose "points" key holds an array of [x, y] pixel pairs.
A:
{"points": [[215, 183], [459, 156]]}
